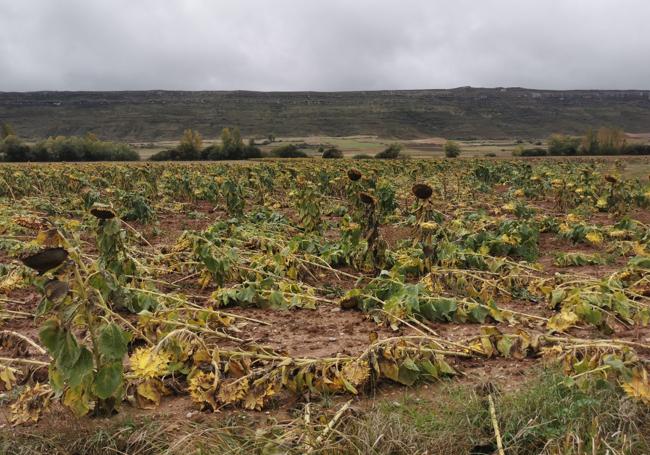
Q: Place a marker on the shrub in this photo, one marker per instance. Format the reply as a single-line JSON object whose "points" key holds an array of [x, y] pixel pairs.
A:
{"points": [[165, 155], [491, 154], [332, 153], [637, 149], [452, 149], [391, 152], [559, 144], [537, 151], [288, 151], [14, 150], [214, 152], [362, 156], [219, 153]]}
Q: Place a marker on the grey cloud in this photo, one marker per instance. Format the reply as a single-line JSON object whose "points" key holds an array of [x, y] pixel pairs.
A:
{"points": [[322, 44]]}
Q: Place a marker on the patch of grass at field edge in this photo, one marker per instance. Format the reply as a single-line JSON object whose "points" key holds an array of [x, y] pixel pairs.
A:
{"points": [[542, 415]]}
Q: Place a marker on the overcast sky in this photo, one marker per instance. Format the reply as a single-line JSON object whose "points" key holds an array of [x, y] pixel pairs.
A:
{"points": [[323, 44]]}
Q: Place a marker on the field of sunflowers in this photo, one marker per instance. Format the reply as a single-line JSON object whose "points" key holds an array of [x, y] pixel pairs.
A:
{"points": [[266, 286]]}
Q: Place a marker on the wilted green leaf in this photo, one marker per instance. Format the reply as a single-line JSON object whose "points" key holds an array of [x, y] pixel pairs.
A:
{"points": [[113, 342], [108, 380], [81, 368]]}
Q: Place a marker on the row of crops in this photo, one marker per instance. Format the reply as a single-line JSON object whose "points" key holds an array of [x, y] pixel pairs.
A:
{"points": [[151, 278]]}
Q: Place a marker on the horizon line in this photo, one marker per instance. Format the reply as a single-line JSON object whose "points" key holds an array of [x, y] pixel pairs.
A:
{"points": [[464, 87]]}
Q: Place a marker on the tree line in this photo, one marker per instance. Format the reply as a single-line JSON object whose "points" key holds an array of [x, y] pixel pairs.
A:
{"points": [[62, 148], [190, 148], [603, 141]]}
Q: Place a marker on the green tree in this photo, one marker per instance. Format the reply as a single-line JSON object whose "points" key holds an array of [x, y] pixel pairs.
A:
{"points": [[559, 144], [610, 140], [232, 147], [6, 130], [589, 143], [452, 149], [12, 149], [190, 146], [605, 141], [231, 140]]}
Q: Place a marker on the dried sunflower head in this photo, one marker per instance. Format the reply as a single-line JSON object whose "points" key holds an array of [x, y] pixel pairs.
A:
{"points": [[367, 198], [46, 259], [422, 191], [102, 211], [31, 403], [354, 174]]}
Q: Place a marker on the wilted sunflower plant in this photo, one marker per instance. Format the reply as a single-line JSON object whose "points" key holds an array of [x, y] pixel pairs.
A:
{"points": [[80, 334]]}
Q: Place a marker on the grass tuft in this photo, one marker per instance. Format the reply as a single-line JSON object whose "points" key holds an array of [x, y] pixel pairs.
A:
{"points": [[542, 416]]}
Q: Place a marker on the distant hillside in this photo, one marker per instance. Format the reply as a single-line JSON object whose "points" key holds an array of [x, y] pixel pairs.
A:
{"points": [[462, 113]]}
